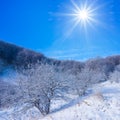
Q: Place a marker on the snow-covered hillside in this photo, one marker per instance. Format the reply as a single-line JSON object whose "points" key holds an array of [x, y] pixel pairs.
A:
{"points": [[102, 103]]}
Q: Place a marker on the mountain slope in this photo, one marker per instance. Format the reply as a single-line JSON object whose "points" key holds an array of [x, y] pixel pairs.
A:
{"points": [[102, 104], [101, 101], [17, 56]]}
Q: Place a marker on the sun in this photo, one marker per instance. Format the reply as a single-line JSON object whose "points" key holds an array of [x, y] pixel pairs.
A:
{"points": [[83, 15]]}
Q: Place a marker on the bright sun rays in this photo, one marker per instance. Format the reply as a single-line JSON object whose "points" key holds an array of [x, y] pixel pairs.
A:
{"points": [[83, 14]]}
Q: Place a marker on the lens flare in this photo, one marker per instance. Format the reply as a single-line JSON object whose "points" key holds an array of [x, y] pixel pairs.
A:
{"points": [[83, 14]]}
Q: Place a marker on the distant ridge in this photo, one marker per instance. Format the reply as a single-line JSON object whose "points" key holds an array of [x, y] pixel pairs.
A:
{"points": [[20, 57]]}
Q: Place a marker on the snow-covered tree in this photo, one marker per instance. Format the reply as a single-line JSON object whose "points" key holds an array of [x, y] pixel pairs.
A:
{"points": [[39, 85], [81, 81], [86, 78], [115, 76], [9, 94]]}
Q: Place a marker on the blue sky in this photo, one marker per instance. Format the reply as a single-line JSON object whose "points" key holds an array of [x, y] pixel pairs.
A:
{"points": [[40, 25]]}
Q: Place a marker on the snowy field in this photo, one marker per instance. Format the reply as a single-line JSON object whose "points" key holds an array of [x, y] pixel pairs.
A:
{"points": [[102, 103]]}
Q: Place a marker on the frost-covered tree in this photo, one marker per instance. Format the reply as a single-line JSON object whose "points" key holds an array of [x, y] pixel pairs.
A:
{"points": [[86, 78], [115, 76], [81, 81], [9, 94], [39, 85]]}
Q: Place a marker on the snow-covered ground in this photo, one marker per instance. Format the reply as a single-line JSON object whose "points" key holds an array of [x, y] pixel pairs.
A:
{"points": [[102, 103]]}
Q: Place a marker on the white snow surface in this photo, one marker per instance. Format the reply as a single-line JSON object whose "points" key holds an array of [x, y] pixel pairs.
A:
{"points": [[101, 103]]}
